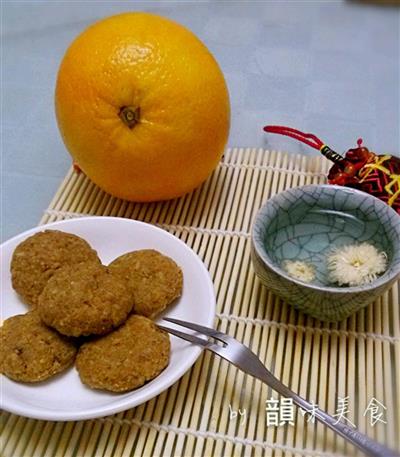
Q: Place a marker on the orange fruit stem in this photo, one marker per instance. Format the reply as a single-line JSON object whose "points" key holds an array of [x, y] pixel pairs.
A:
{"points": [[130, 115]]}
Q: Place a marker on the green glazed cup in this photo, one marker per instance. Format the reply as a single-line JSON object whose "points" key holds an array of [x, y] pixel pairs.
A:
{"points": [[305, 223]]}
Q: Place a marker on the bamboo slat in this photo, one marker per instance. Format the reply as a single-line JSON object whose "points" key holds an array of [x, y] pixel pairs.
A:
{"points": [[358, 358]]}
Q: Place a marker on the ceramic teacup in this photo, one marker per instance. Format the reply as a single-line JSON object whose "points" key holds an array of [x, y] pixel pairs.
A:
{"points": [[306, 224]]}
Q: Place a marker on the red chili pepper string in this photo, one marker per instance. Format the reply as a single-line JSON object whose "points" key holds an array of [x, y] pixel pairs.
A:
{"points": [[307, 138]]}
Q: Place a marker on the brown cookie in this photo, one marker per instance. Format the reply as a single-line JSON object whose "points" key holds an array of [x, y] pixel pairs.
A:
{"points": [[85, 299], [155, 280], [37, 258], [125, 359], [30, 351]]}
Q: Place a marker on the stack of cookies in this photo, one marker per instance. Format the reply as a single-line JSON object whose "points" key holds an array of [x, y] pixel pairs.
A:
{"points": [[99, 316]]}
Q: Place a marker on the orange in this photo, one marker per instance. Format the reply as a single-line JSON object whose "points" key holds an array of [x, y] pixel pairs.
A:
{"points": [[142, 107]]}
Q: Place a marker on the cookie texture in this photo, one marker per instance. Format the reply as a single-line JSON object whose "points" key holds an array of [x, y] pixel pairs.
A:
{"points": [[125, 359], [85, 299], [32, 352], [37, 258], [155, 280]]}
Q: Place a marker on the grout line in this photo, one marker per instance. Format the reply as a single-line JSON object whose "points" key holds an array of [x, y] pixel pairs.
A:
{"points": [[213, 435]]}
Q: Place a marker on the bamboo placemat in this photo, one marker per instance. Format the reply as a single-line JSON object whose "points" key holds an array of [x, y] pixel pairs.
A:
{"points": [[358, 358]]}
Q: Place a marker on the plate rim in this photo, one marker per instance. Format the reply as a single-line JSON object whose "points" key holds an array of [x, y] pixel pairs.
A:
{"points": [[110, 408]]}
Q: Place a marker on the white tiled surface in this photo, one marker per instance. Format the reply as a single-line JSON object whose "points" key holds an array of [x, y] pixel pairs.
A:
{"points": [[330, 67]]}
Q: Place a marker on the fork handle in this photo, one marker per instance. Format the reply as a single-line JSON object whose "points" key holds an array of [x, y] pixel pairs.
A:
{"points": [[363, 442]]}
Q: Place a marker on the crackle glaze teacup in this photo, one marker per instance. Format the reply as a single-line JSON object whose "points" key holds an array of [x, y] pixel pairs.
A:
{"points": [[305, 223]]}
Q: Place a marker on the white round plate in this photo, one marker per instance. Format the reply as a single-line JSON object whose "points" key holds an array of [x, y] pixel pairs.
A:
{"points": [[64, 397]]}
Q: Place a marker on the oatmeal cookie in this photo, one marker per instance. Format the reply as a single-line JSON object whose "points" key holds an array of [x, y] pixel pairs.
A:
{"points": [[37, 258], [85, 299], [30, 351], [155, 280], [125, 359]]}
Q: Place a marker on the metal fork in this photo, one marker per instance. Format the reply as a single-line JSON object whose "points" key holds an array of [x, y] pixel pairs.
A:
{"points": [[242, 357]]}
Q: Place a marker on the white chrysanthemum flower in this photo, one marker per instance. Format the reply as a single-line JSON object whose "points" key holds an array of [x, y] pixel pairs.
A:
{"points": [[356, 264], [297, 269]]}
